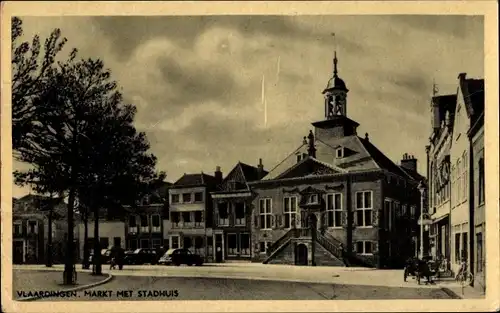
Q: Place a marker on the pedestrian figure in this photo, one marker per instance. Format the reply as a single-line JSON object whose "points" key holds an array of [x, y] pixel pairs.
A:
{"points": [[120, 257]]}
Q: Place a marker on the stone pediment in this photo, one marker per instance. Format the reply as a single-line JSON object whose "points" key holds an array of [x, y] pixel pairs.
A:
{"points": [[310, 167]]}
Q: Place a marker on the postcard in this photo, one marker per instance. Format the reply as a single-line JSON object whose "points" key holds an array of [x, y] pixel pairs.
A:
{"points": [[249, 156]]}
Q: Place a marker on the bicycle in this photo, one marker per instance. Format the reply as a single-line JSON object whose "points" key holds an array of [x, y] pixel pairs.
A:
{"points": [[464, 276]]}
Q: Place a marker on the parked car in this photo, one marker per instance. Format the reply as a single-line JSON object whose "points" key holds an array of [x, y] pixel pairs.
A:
{"points": [[141, 256], [105, 256], [180, 256]]}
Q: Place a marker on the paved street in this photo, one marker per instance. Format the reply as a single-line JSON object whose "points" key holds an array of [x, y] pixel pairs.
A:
{"points": [[164, 288], [247, 282]]}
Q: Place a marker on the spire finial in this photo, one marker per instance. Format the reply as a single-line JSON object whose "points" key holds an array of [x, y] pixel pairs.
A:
{"points": [[335, 60], [435, 89]]}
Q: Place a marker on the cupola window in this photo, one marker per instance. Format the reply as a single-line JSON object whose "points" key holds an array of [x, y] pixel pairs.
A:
{"points": [[339, 153]]}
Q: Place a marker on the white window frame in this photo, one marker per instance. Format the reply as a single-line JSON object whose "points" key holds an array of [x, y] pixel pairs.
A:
{"points": [[20, 224], [266, 212], [239, 221], [35, 229], [200, 223], [364, 209], [191, 197], [288, 210], [156, 229], [465, 176], [247, 251], [202, 196], [236, 250], [332, 209], [224, 222], [267, 245], [189, 224], [144, 229], [174, 224], [364, 247], [156, 240], [413, 210], [179, 243], [200, 250]]}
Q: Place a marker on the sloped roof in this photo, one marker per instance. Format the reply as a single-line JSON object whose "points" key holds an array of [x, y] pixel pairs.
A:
{"points": [[200, 179], [251, 172], [33, 204], [286, 163], [382, 160], [475, 88]]}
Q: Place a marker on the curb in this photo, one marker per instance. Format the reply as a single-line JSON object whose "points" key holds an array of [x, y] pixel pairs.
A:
{"points": [[450, 293], [102, 282]]}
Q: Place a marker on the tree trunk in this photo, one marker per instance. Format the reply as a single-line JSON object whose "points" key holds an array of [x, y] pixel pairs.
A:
{"points": [[97, 269], [69, 266], [86, 254], [49, 240]]}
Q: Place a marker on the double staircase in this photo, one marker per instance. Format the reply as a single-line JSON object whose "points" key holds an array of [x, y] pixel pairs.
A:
{"points": [[328, 242]]}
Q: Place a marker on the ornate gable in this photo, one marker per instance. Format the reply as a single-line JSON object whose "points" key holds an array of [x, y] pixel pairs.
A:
{"points": [[235, 180], [309, 167]]}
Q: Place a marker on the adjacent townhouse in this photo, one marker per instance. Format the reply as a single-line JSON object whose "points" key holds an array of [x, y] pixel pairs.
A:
{"points": [[191, 213], [232, 204], [475, 91], [147, 223], [469, 103], [439, 171], [336, 189], [30, 229]]}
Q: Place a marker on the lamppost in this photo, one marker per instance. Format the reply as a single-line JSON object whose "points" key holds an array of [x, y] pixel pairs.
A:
{"points": [[424, 217]]}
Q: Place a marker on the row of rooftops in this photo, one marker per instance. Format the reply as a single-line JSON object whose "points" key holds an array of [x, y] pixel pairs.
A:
{"points": [[444, 106]]}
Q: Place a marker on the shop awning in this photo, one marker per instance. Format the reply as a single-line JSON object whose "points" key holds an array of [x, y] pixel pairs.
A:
{"points": [[438, 219]]}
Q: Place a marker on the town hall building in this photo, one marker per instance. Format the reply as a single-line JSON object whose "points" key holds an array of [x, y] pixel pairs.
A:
{"points": [[337, 191]]}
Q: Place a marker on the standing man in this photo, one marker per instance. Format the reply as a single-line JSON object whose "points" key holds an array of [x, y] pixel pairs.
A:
{"points": [[120, 257]]}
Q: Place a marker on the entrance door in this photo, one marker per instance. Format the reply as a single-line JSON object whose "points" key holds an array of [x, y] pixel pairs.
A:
{"points": [[218, 248], [17, 253], [301, 254]]}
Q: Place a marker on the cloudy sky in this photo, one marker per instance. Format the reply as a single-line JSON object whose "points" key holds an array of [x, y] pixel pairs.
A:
{"points": [[197, 81]]}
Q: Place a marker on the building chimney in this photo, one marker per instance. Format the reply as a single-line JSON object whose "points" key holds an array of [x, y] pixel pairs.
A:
{"points": [[218, 175], [367, 138], [260, 169], [311, 150], [409, 162]]}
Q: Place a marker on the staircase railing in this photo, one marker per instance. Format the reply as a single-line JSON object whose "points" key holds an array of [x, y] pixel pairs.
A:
{"points": [[278, 243], [330, 246]]}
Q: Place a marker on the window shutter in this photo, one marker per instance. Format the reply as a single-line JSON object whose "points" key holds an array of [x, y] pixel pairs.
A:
{"points": [[344, 218], [298, 220], [354, 219], [256, 221], [273, 221], [375, 217], [375, 247], [354, 245], [324, 220], [216, 215], [281, 220]]}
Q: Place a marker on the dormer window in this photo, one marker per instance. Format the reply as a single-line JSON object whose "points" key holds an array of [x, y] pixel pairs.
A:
{"points": [[313, 199], [339, 153], [299, 158]]}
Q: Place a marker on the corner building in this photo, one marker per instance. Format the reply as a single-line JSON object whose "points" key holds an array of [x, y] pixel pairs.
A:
{"points": [[336, 190]]}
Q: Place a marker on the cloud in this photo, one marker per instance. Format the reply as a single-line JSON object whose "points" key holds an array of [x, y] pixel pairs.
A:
{"points": [[196, 80]]}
